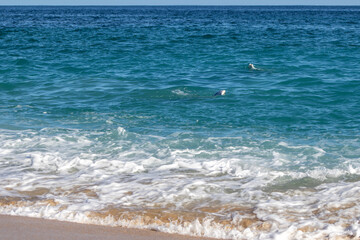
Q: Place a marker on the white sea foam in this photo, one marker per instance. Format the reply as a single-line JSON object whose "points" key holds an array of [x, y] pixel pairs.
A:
{"points": [[91, 171], [121, 131], [180, 92]]}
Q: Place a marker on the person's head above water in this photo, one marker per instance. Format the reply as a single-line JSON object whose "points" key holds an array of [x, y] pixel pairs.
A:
{"points": [[251, 66], [220, 93]]}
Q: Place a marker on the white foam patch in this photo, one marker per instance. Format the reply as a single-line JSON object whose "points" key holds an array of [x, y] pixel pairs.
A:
{"points": [[121, 131], [180, 92]]}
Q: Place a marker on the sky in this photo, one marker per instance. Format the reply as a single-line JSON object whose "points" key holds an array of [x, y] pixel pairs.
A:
{"points": [[180, 2]]}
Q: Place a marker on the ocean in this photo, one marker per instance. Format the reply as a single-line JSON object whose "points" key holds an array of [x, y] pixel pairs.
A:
{"points": [[108, 116]]}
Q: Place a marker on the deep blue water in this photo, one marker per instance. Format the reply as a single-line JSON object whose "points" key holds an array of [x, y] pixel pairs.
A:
{"points": [[129, 60], [151, 72]]}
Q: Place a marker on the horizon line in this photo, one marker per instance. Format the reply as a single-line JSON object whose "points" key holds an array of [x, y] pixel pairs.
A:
{"points": [[180, 5]]}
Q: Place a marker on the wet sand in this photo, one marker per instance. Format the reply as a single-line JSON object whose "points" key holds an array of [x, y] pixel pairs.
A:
{"points": [[20, 228]]}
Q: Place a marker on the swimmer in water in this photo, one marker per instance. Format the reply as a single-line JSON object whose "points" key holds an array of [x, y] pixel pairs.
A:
{"points": [[252, 67], [220, 93]]}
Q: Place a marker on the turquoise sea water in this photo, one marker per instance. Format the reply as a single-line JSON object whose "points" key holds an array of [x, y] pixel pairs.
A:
{"points": [[113, 108]]}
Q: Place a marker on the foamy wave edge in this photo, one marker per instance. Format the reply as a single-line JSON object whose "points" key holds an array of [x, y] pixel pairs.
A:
{"points": [[264, 226]]}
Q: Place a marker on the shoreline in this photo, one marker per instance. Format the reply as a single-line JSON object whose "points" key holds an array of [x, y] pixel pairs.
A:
{"points": [[19, 228]]}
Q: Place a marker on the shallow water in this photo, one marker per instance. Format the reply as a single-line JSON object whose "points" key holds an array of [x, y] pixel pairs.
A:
{"points": [[108, 116]]}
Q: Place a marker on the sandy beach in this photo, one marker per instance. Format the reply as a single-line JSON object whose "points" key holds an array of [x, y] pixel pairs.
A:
{"points": [[19, 228]]}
